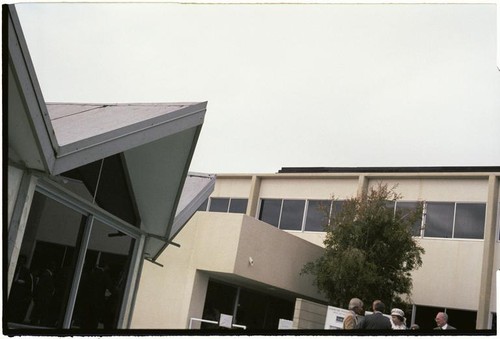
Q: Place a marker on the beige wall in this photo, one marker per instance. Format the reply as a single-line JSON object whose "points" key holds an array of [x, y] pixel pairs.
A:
{"points": [[432, 189], [234, 188], [306, 188], [309, 315], [222, 243], [277, 257], [450, 274]]}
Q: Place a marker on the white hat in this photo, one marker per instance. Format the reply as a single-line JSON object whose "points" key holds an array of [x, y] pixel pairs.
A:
{"points": [[398, 312]]}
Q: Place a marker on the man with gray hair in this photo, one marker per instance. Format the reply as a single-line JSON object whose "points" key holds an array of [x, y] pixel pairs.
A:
{"points": [[442, 322], [355, 309]]}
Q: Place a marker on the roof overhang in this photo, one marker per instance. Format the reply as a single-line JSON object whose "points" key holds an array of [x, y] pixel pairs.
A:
{"points": [[154, 141]]}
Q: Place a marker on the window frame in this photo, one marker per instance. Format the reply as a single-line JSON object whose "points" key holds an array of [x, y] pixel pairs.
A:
{"points": [[61, 195], [455, 203]]}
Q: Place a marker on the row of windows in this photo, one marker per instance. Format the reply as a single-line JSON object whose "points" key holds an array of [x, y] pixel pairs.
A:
{"points": [[441, 219]]}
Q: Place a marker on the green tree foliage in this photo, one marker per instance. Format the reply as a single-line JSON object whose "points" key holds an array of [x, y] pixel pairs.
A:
{"points": [[369, 251]]}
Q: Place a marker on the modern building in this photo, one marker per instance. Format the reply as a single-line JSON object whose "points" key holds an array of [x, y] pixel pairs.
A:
{"points": [[93, 190], [242, 253]]}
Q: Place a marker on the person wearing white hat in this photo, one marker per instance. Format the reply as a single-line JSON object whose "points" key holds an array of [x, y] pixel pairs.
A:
{"points": [[398, 319]]}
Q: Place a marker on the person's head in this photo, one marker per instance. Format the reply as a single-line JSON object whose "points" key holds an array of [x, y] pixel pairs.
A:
{"points": [[398, 316], [356, 305], [415, 327], [441, 319], [378, 306]]}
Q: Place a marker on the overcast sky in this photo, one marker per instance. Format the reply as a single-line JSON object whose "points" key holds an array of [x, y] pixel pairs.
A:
{"points": [[288, 85]]}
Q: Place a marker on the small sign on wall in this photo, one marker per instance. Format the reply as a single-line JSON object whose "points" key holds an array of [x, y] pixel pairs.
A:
{"points": [[226, 320], [285, 324]]}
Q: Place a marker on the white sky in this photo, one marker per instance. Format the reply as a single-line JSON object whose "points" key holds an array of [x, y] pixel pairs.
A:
{"points": [[288, 85]]}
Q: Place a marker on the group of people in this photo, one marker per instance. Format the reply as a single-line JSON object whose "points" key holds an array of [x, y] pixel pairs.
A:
{"points": [[356, 318]]}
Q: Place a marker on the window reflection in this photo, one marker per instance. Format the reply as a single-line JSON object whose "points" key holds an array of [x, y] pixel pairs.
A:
{"points": [[219, 204], [46, 264], [292, 214], [469, 221], [439, 220], [317, 215], [102, 284], [270, 210]]}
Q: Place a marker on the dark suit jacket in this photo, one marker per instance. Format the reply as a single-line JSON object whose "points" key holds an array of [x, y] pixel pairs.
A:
{"points": [[447, 328], [376, 321]]}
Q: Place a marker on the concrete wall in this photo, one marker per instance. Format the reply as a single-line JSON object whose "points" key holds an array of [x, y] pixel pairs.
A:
{"points": [[450, 275], [220, 243], [278, 257], [309, 315], [451, 272]]}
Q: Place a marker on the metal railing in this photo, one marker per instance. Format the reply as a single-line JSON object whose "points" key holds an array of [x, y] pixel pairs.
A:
{"points": [[212, 322]]}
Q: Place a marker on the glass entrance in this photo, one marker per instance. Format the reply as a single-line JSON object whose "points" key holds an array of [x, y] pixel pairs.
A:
{"points": [[71, 271]]}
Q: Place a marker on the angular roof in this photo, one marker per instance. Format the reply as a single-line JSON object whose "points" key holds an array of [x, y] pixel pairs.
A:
{"points": [[154, 141]]}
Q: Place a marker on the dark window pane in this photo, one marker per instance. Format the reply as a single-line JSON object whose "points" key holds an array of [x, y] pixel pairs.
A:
{"points": [[270, 211], [203, 207], [439, 220], [462, 319], [469, 221], [425, 316], [317, 215], [390, 204], [103, 279], [238, 205], [337, 207], [219, 204], [405, 208], [46, 264], [220, 298], [292, 215]]}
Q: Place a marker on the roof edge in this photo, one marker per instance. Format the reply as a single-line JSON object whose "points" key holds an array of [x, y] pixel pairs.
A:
{"points": [[430, 169]]}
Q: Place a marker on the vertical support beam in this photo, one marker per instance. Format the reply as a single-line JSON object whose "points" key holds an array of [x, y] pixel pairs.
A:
{"points": [[83, 246], [253, 199], [132, 284], [18, 222], [487, 269], [362, 184]]}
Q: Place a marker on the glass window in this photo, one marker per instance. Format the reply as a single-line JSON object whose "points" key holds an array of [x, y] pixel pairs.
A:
{"points": [[219, 204], [405, 208], [203, 206], [292, 215], [317, 214], [270, 210], [439, 219], [337, 206], [469, 220], [46, 264], [238, 205], [462, 319], [391, 204], [103, 279]]}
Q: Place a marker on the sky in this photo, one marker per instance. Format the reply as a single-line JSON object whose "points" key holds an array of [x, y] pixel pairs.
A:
{"points": [[288, 85]]}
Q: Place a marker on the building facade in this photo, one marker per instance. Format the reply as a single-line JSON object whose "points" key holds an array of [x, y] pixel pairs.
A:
{"points": [[93, 190], [257, 231]]}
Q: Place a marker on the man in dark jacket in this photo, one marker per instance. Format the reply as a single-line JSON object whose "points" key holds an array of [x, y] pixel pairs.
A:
{"points": [[377, 320]]}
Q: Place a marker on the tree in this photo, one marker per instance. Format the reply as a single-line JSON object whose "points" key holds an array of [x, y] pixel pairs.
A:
{"points": [[369, 251]]}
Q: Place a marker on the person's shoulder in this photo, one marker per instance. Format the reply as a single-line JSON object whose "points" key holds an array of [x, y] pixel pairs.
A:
{"points": [[449, 327]]}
